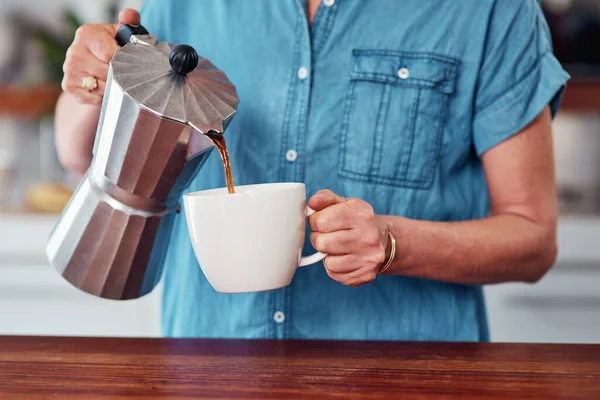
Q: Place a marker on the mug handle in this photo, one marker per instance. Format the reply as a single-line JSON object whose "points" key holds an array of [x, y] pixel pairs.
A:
{"points": [[314, 258]]}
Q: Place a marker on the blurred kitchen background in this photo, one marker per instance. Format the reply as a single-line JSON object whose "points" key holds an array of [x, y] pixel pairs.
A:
{"points": [[34, 35]]}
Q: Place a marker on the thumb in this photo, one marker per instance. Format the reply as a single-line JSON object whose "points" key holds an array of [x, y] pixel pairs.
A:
{"points": [[323, 199], [129, 16]]}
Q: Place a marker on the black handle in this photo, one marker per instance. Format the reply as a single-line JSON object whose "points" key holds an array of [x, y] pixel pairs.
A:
{"points": [[183, 59], [125, 33]]}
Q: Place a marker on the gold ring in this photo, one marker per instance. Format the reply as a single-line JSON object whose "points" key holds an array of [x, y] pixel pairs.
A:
{"points": [[89, 83]]}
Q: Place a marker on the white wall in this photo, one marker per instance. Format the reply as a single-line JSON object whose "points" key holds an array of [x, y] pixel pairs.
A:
{"points": [[50, 10], [24, 136]]}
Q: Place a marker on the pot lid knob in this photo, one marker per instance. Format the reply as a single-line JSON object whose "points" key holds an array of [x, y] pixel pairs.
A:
{"points": [[183, 59]]}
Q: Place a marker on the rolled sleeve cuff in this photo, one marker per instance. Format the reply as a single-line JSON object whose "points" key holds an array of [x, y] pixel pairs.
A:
{"points": [[512, 112]]}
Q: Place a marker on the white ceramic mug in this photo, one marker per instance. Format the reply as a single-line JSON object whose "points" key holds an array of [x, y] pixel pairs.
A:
{"points": [[252, 240]]}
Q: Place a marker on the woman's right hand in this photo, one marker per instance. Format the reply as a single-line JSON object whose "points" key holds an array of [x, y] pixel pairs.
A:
{"points": [[89, 56], [78, 109]]}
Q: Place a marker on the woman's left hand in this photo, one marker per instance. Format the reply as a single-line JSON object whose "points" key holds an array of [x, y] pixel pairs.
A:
{"points": [[351, 234]]}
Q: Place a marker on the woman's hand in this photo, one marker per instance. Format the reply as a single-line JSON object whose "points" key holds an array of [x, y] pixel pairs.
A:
{"points": [[89, 56], [78, 109], [351, 234]]}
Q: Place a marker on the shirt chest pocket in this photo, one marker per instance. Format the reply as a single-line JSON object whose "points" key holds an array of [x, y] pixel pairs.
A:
{"points": [[394, 116]]}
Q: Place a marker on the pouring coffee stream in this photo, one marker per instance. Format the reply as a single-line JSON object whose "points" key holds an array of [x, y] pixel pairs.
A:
{"points": [[219, 141], [164, 109], [184, 59]]}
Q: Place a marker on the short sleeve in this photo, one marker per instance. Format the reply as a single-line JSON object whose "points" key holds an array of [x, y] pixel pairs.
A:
{"points": [[519, 74], [152, 17]]}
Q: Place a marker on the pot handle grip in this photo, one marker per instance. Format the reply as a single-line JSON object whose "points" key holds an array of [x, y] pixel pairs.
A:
{"points": [[125, 33]]}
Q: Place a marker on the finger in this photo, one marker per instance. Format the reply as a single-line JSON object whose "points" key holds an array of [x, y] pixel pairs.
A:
{"points": [[323, 199], [342, 264], [99, 39], [85, 97], [74, 81], [83, 60], [348, 215], [100, 89], [129, 16], [335, 243], [71, 84], [95, 67], [103, 47], [356, 278]]}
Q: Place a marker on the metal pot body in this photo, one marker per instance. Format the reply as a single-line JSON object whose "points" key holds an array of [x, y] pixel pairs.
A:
{"points": [[112, 236]]}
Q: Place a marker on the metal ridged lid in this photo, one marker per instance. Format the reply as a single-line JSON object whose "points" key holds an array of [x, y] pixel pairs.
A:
{"points": [[203, 98]]}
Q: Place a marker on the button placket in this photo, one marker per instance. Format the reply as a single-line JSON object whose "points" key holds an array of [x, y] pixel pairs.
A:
{"points": [[292, 146], [279, 317], [291, 155], [403, 73], [302, 73]]}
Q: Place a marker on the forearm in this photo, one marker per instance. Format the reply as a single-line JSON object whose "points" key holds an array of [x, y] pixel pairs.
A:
{"points": [[500, 248], [75, 131]]}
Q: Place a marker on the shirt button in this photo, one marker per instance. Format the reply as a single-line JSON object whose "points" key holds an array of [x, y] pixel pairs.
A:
{"points": [[279, 317], [302, 73], [329, 3], [291, 155], [403, 73]]}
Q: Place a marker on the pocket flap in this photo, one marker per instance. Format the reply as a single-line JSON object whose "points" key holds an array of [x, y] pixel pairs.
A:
{"points": [[425, 70]]}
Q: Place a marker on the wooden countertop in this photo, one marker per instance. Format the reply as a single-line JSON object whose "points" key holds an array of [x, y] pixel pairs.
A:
{"points": [[118, 368]]}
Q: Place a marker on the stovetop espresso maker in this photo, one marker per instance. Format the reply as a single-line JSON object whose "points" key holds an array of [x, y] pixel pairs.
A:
{"points": [[159, 103]]}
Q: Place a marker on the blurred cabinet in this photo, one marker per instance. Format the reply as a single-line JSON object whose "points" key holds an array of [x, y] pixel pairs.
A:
{"points": [[564, 306], [35, 300]]}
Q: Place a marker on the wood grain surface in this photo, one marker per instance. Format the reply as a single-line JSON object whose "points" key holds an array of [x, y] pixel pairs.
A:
{"points": [[118, 368]]}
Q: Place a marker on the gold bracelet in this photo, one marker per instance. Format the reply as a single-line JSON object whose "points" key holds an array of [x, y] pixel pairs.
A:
{"points": [[390, 260]]}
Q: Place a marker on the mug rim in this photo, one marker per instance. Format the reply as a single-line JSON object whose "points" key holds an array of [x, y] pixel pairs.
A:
{"points": [[222, 191]]}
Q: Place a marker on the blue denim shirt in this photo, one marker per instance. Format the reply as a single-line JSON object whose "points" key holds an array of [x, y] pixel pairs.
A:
{"points": [[391, 102]]}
